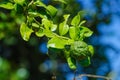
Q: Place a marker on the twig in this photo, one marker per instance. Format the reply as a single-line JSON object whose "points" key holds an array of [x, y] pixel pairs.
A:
{"points": [[93, 76], [74, 75]]}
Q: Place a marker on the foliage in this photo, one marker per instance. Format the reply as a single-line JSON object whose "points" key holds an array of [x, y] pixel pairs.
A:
{"points": [[67, 36]]}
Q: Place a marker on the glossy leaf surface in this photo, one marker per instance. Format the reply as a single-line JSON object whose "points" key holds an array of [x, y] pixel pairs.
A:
{"points": [[25, 31]]}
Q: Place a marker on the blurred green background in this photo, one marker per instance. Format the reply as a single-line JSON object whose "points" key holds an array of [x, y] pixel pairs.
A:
{"points": [[20, 60]]}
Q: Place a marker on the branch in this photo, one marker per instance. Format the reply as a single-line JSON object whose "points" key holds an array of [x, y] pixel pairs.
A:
{"points": [[93, 76]]}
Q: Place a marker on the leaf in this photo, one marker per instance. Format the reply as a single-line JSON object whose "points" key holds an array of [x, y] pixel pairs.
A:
{"points": [[53, 27], [72, 32], [35, 25], [56, 42], [39, 3], [51, 10], [82, 22], [40, 33], [85, 62], [85, 32], [91, 49], [36, 14], [49, 33], [63, 27], [62, 1], [76, 20], [71, 62], [25, 31], [7, 5], [19, 9], [19, 1], [47, 23]]}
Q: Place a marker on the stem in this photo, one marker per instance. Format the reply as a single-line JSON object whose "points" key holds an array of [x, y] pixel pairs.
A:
{"points": [[93, 76]]}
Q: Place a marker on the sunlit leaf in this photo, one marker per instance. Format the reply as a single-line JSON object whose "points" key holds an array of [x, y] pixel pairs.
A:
{"points": [[36, 14], [71, 62], [47, 23], [25, 31], [35, 25], [40, 33], [19, 1], [48, 33], [51, 10], [7, 5], [63, 27], [85, 32], [62, 1], [56, 42], [72, 32], [82, 22], [53, 27], [39, 3], [91, 49], [76, 20]]}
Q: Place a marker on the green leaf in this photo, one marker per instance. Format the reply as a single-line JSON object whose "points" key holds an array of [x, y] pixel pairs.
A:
{"points": [[72, 32], [56, 42], [53, 27], [47, 23], [51, 10], [63, 27], [39, 3], [36, 14], [40, 33], [85, 62], [21, 2], [49, 33], [35, 25], [62, 1], [7, 5], [82, 22], [91, 49], [76, 20], [71, 62], [85, 32], [25, 31], [19, 9]]}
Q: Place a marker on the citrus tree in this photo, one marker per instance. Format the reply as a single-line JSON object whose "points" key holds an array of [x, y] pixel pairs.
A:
{"points": [[65, 35]]}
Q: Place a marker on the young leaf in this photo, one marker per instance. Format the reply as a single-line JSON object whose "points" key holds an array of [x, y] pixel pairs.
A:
{"points": [[40, 33], [76, 20], [82, 22], [7, 6], [85, 32], [47, 23], [91, 49], [36, 14], [56, 42], [25, 31], [72, 32], [49, 33], [63, 27], [62, 1], [39, 3], [71, 62], [53, 27], [19, 1], [51, 10]]}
